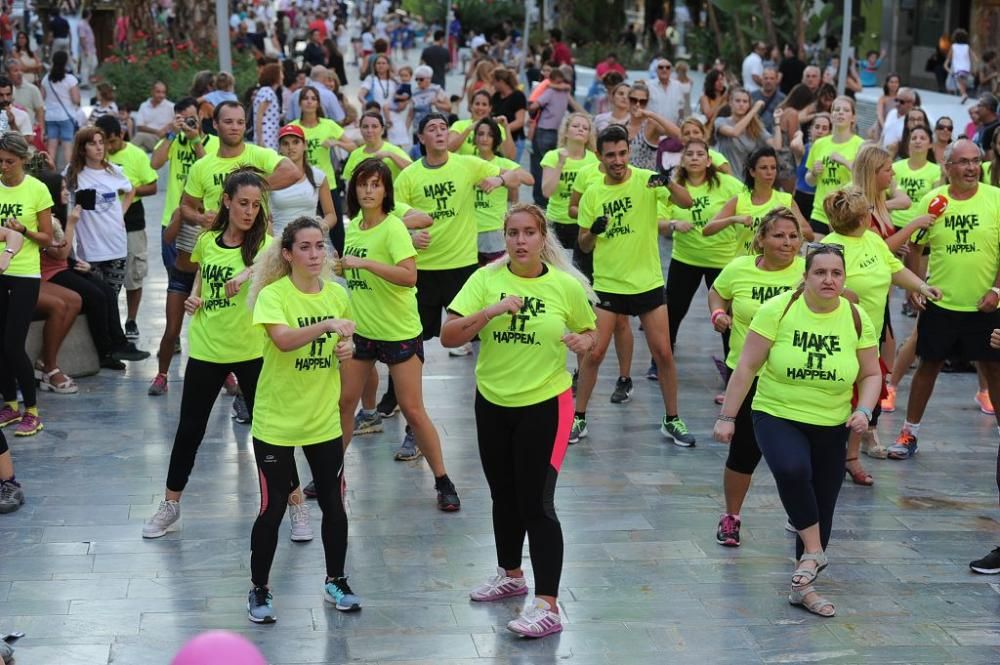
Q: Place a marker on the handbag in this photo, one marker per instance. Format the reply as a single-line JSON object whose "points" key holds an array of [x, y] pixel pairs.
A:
{"points": [[72, 117]]}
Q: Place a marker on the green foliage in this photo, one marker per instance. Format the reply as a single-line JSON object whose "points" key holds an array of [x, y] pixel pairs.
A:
{"points": [[587, 21], [134, 73], [483, 16]]}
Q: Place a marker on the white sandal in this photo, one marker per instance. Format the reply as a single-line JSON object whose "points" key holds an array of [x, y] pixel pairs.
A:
{"points": [[64, 387]]}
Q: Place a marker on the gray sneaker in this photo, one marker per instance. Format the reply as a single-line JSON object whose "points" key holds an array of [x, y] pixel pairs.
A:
{"points": [[11, 496], [166, 515], [259, 608], [6, 653], [677, 431], [241, 413], [408, 451], [302, 530], [367, 422]]}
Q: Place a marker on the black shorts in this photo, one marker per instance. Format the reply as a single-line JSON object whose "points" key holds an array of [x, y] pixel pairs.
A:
{"points": [[389, 353], [943, 334], [632, 304], [435, 291]]}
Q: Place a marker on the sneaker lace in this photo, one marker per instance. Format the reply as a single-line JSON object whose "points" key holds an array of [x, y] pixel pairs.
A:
{"points": [[728, 525], [261, 596], [7, 491], [165, 512], [904, 439], [299, 514], [578, 423], [678, 426], [340, 583]]}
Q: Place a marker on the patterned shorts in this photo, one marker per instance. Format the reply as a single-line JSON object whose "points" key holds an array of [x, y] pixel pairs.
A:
{"points": [[389, 353]]}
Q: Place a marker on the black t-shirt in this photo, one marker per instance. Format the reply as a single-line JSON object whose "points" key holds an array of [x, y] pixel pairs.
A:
{"points": [[984, 135], [791, 73], [437, 58], [508, 108], [59, 27], [314, 54]]}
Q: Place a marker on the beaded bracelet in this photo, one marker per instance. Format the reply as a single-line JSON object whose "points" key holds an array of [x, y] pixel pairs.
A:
{"points": [[726, 419], [716, 313]]}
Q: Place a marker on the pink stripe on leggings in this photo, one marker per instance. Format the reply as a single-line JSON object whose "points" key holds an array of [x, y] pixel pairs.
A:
{"points": [[562, 432], [263, 491]]}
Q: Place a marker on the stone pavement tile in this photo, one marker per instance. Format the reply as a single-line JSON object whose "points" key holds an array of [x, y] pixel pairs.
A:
{"points": [[66, 654], [88, 587], [978, 634]]}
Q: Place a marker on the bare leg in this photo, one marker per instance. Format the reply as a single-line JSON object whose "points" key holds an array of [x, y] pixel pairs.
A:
{"points": [[6, 466], [353, 376], [61, 307], [407, 376], [657, 329], [606, 322], [132, 300], [370, 392], [921, 388], [624, 344], [904, 358], [172, 331], [735, 485]]}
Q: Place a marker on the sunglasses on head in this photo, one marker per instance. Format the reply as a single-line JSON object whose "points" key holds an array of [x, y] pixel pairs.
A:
{"points": [[824, 248]]}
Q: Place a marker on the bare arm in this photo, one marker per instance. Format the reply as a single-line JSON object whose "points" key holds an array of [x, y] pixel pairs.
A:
{"points": [[456, 139], [551, 175], [258, 121], [326, 205], [285, 175], [725, 217], [417, 219], [288, 339], [191, 212]]}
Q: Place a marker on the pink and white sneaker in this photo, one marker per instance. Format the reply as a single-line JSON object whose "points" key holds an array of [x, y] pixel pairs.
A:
{"points": [[499, 587], [536, 621]]}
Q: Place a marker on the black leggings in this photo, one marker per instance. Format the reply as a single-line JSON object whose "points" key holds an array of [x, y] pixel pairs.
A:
{"points": [[807, 462], [568, 235], [278, 477], [99, 305], [522, 449], [337, 232], [202, 383], [744, 453], [18, 297], [683, 281]]}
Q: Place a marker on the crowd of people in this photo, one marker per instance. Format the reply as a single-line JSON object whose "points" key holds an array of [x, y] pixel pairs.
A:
{"points": [[309, 236]]}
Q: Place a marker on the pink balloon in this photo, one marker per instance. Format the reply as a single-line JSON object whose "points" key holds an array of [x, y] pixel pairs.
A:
{"points": [[219, 647]]}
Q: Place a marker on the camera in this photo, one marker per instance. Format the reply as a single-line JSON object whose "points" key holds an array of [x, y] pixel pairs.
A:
{"points": [[191, 122]]}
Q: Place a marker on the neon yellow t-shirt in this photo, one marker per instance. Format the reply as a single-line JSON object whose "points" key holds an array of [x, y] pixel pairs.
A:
{"points": [[208, 174], [870, 267], [746, 206], [585, 176], [23, 203], [717, 158], [627, 254], [446, 193], [220, 330], [468, 146], [522, 359], [987, 169], [491, 208], [747, 287], [359, 155], [915, 184], [135, 165], [558, 208], [383, 311], [834, 175], [298, 391], [318, 155], [694, 248], [810, 371], [181, 158], [965, 247]]}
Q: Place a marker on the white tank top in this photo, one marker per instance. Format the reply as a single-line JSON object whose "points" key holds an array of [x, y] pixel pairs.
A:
{"points": [[298, 200], [960, 61]]}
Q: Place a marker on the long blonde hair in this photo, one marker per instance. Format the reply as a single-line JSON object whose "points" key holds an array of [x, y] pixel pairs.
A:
{"points": [[590, 144], [553, 253], [270, 265], [870, 159]]}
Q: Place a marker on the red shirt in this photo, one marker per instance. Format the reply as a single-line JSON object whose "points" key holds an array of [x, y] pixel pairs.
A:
{"points": [[319, 24], [603, 68], [6, 31], [561, 54]]}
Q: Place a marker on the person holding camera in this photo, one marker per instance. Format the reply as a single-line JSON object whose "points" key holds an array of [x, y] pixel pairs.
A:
{"points": [[180, 148], [618, 218]]}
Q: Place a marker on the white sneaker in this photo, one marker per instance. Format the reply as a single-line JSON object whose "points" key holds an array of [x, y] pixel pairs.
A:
{"points": [[458, 352], [166, 516], [302, 529], [500, 586], [536, 621]]}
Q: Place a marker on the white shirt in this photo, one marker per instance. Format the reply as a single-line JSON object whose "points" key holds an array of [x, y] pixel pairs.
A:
{"points": [[100, 234], [58, 103], [23, 121], [294, 201], [666, 100], [155, 116], [892, 128], [752, 65]]}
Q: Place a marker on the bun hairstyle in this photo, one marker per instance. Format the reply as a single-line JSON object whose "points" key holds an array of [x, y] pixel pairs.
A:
{"points": [[847, 209]]}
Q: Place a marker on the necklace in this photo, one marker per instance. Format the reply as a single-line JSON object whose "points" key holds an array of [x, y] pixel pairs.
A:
{"points": [[385, 90]]}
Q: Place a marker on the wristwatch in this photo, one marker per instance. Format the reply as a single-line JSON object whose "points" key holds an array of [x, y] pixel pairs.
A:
{"points": [[996, 290]]}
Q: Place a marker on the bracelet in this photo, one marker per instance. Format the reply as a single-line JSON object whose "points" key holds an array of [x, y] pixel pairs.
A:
{"points": [[716, 313], [867, 413], [722, 418]]}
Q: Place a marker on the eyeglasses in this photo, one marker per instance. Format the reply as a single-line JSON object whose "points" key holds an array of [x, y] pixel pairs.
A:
{"points": [[904, 101], [638, 100], [946, 128], [824, 248], [422, 78], [663, 66], [963, 163]]}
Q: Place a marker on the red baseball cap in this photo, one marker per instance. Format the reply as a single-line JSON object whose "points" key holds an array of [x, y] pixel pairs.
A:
{"points": [[291, 130]]}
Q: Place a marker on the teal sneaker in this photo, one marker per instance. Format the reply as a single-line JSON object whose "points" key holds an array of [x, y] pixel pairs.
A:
{"points": [[339, 594], [579, 430]]}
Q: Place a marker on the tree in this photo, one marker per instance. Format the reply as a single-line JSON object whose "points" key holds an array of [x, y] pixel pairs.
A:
{"points": [[193, 20]]}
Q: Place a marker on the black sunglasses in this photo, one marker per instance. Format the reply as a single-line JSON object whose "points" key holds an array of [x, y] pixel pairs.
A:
{"points": [[663, 66], [947, 128], [824, 248], [638, 100]]}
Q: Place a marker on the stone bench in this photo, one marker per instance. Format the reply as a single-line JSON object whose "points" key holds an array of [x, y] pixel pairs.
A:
{"points": [[77, 356]]}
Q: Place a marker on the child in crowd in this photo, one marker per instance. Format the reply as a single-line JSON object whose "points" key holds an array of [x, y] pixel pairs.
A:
{"points": [[105, 103], [960, 62], [869, 69]]}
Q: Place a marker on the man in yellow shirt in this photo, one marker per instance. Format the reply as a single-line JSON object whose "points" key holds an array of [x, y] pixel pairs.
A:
{"points": [[964, 263], [135, 166]]}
